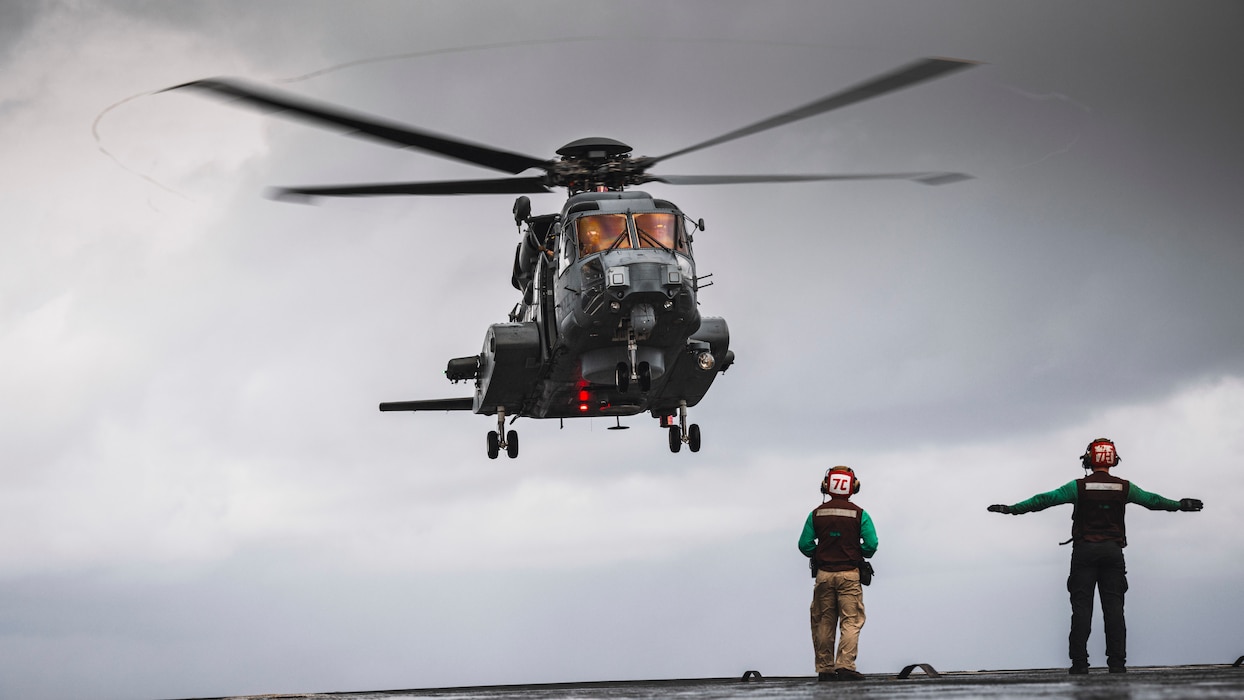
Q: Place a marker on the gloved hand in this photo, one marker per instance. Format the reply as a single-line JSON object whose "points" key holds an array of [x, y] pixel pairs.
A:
{"points": [[1007, 510], [1190, 504]]}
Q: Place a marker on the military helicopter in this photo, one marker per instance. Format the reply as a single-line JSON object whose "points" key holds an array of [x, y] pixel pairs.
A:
{"points": [[608, 323]]}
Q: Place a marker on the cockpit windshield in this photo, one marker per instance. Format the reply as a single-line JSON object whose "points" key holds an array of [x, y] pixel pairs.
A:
{"points": [[659, 230], [602, 232]]}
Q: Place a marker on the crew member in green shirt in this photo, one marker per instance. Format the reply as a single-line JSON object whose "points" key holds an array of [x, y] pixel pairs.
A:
{"points": [[1098, 536], [837, 536]]}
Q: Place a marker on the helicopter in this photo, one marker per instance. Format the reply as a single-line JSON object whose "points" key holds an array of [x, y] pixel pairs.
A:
{"points": [[608, 321]]}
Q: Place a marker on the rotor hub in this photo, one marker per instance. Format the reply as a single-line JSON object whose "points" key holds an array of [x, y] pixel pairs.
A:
{"points": [[593, 148], [595, 164]]}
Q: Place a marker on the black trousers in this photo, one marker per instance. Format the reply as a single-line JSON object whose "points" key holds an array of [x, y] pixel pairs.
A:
{"points": [[1097, 565]]}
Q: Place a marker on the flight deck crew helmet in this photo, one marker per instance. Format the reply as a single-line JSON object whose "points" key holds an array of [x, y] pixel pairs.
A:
{"points": [[840, 481], [1100, 453]]}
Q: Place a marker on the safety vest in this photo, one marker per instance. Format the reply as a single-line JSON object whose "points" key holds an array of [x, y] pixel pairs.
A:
{"points": [[837, 526], [1098, 515]]}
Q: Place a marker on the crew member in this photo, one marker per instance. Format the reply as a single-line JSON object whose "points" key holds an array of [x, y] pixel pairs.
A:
{"points": [[838, 536], [1098, 537]]}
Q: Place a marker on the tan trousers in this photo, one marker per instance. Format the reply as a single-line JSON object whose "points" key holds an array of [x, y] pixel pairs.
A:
{"points": [[837, 596]]}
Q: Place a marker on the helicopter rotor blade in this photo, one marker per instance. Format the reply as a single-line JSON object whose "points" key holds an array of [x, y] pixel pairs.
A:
{"points": [[912, 74], [366, 126], [508, 185], [930, 178]]}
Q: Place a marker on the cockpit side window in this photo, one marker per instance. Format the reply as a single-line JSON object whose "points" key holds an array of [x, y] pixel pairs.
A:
{"points": [[602, 232], [567, 250], [660, 230]]}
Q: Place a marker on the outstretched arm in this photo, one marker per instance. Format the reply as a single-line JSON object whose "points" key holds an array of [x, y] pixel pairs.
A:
{"points": [[1153, 501], [1063, 494]]}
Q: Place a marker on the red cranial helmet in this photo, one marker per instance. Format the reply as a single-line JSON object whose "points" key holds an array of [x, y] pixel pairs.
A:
{"points": [[840, 481], [1100, 453]]}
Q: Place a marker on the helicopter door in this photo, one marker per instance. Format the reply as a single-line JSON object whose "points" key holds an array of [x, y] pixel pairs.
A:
{"points": [[546, 316]]}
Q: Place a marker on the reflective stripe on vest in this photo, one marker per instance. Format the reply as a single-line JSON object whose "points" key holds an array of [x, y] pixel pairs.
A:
{"points": [[837, 526]]}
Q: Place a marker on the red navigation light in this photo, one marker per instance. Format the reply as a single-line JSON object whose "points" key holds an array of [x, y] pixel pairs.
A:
{"points": [[583, 395]]}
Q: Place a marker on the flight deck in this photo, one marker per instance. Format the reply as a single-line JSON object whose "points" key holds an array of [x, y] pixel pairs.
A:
{"points": [[1140, 683]]}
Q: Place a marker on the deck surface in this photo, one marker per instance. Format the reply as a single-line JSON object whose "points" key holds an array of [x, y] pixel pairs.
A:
{"points": [[1141, 683]]}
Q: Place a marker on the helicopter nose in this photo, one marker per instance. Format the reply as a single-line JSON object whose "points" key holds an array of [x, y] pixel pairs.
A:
{"points": [[643, 318], [645, 281]]}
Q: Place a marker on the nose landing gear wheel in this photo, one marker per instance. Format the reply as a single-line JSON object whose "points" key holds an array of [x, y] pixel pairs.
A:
{"points": [[511, 444], [494, 444], [693, 437], [623, 377], [675, 439], [645, 376]]}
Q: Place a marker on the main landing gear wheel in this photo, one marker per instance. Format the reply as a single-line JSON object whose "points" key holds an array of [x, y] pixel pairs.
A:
{"points": [[500, 440], [682, 432]]}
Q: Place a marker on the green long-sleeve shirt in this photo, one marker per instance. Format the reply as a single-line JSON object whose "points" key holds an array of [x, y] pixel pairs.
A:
{"points": [[1068, 491], [868, 535]]}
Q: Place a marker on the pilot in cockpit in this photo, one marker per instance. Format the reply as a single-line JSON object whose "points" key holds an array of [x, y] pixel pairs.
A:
{"points": [[602, 232], [656, 230]]}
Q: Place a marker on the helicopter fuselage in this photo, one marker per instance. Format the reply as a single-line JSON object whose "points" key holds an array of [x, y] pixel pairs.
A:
{"points": [[609, 324]]}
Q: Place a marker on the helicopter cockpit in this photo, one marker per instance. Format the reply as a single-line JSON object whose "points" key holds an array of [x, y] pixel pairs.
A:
{"points": [[660, 230], [600, 232]]}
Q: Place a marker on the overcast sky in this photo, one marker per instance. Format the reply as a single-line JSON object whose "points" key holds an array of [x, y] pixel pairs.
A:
{"points": [[199, 497]]}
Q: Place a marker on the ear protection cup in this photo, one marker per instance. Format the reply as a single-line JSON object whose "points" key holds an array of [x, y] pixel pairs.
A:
{"points": [[827, 487], [1100, 453]]}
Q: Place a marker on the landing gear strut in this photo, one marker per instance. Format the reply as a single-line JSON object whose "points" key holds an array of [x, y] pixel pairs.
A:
{"points": [[634, 370], [496, 442], [682, 432]]}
